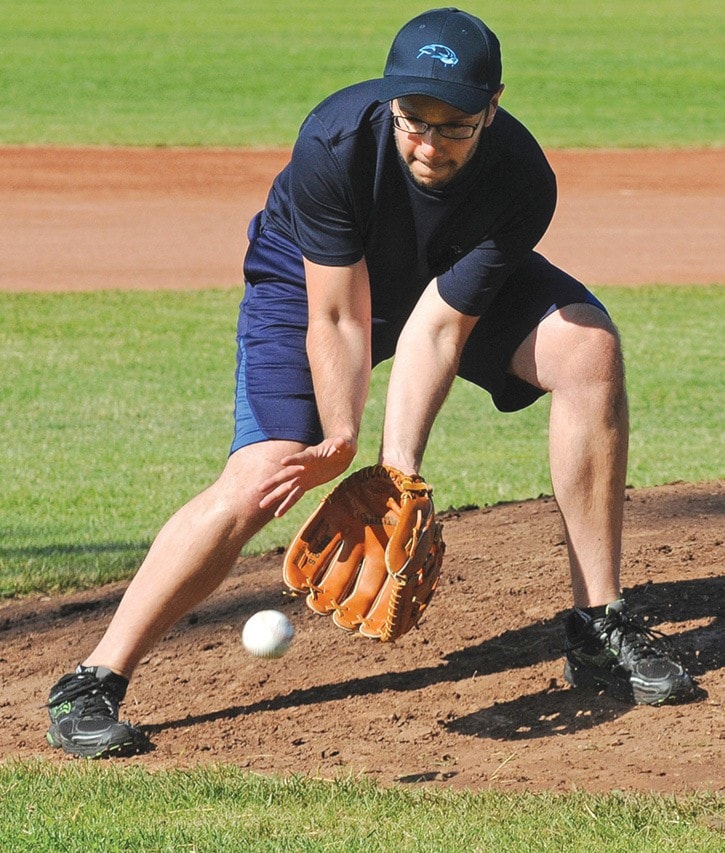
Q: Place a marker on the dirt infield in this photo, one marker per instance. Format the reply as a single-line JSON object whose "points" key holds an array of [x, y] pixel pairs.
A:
{"points": [[475, 698], [176, 218]]}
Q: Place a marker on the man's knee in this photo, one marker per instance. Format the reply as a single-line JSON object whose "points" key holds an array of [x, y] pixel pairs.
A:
{"points": [[235, 496], [589, 347], [598, 355], [592, 374], [573, 346]]}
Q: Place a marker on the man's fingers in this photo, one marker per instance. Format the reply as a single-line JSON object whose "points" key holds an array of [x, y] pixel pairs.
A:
{"points": [[286, 475], [289, 502], [300, 472], [278, 491]]}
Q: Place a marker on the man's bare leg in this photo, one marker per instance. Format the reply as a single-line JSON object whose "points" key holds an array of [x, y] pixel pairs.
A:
{"points": [[192, 554], [575, 354]]}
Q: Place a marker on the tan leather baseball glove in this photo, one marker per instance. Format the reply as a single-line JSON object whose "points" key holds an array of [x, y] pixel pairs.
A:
{"points": [[370, 553]]}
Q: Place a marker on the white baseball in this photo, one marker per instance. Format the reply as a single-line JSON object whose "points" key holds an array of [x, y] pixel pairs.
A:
{"points": [[267, 634]]}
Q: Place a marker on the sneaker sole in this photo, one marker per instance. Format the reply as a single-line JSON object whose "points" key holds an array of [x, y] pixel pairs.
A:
{"points": [[129, 747], [640, 694]]}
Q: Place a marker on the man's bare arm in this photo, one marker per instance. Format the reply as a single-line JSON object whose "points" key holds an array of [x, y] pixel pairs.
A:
{"points": [[339, 352], [425, 364]]}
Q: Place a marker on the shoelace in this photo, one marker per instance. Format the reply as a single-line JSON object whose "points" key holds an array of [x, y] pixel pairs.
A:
{"points": [[85, 685], [636, 639], [98, 704]]}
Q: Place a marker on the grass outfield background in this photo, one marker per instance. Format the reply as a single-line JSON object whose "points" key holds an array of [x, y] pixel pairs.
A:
{"points": [[116, 406], [246, 72]]}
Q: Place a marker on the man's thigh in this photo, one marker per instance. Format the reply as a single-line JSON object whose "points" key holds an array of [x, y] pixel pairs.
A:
{"points": [[534, 291]]}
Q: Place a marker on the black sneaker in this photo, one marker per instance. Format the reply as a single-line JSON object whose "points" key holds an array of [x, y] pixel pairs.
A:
{"points": [[83, 710], [618, 654]]}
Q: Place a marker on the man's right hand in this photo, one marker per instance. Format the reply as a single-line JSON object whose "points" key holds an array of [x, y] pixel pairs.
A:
{"points": [[305, 470]]}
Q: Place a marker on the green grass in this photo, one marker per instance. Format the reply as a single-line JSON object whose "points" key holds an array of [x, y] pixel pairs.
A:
{"points": [[116, 409], [224, 72], [88, 807]]}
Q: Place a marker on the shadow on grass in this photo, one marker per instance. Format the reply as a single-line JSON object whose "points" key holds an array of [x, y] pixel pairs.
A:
{"points": [[61, 568], [26, 554]]}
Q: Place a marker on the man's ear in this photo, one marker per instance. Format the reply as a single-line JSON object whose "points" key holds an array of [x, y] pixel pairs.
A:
{"points": [[493, 106]]}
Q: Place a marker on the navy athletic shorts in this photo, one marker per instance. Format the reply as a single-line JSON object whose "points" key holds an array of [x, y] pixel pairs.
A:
{"points": [[274, 397]]}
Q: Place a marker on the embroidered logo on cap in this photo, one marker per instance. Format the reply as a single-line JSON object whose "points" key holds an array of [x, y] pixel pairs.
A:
{"points": [[439, 51]]}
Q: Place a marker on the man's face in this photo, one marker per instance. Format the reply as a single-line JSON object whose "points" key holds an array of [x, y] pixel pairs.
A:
{"points": [[432, 159]]}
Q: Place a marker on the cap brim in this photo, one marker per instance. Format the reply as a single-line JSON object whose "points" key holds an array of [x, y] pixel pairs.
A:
{"points": [[469, 100]]}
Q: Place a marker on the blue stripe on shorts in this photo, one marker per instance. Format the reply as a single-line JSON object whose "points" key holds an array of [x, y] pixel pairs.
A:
{"points": [[247, 429]]}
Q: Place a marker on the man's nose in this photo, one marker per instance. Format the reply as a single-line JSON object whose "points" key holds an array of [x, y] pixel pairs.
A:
{"points": [[432, 138]]}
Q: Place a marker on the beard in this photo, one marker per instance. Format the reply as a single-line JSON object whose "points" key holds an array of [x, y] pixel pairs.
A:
{"points": [[440, 173]]}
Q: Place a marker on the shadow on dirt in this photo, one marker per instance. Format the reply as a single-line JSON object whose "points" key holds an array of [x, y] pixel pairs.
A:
{"points": [[552, 711]]}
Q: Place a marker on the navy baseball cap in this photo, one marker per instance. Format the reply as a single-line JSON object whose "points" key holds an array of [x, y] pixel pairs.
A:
{"points": [[447, 54]]}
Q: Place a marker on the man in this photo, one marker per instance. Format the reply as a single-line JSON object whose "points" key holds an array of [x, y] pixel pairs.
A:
{"points": [[404, 225]]}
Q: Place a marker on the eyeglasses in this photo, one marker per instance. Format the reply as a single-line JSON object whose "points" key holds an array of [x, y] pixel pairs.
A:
{"points": [[448, 131]]}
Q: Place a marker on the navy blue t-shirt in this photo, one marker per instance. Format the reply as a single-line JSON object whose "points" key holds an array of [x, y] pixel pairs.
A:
{"points": [[346, 194]]}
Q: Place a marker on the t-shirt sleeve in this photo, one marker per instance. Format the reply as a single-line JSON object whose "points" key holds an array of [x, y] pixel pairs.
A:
{"points": [[472, 282], [321, 196]]}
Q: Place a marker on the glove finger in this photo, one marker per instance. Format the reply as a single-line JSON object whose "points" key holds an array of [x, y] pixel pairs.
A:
{"points": [[310, 552], [408, 539], [369, 579], [409, 591], [334, 583]]}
